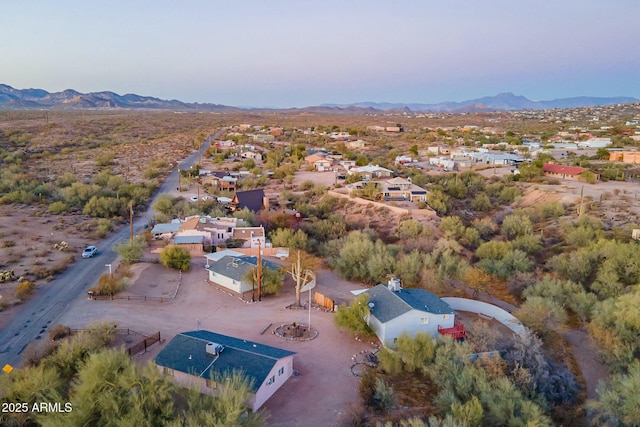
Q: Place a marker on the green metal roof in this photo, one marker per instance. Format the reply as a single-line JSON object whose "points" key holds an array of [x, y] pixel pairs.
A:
{"points": [[186, 352]]}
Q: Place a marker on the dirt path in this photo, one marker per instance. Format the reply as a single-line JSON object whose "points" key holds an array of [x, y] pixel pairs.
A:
{"points": [[586, 354]]}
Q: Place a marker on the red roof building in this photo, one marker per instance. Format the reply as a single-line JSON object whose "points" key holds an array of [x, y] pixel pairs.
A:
{"points": [[565, 172]]}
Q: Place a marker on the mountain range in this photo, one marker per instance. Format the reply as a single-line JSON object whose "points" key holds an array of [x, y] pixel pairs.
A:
{"points": [[12, 99]]}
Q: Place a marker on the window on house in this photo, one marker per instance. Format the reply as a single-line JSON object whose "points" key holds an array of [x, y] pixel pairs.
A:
{"points": [[446, 316], [207, 383], [424, 320], [281, 371], [271, 380]]}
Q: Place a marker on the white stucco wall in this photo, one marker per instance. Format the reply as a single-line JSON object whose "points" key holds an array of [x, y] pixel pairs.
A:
{"points": [[490, 310], [266, 390]]}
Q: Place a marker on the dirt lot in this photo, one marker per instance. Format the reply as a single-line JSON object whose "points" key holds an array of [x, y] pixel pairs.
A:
{"points": [[324, 363]]}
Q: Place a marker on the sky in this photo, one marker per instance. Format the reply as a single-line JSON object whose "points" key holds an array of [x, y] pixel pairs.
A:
{"points": [[297, 53]]}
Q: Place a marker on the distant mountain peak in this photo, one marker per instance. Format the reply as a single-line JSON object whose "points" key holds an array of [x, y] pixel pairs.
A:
{"points": [[11, 98]]}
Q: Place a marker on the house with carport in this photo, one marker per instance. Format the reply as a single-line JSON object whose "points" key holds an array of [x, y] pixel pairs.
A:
{"points": [[199, 359]]}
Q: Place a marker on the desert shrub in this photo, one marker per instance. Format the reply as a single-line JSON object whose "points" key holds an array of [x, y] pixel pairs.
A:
{"points": [[174, 256], [132, 250], [516, 225], [104, 226], [105, 159], [306, 185], [151, 173], [108, 285], [59, 331], [481, 203], [542, 315], [24, 289], [58, 207], [510, 194]]}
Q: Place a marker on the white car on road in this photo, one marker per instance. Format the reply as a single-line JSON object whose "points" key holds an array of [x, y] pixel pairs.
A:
{"points": [[89, 251]]}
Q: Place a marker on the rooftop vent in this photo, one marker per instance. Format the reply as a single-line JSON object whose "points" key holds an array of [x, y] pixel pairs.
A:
{"points": [[394, 285], [214, 349]]}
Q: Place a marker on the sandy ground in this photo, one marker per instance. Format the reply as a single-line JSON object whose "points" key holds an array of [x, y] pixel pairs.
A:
{"points": [[321, 395]]}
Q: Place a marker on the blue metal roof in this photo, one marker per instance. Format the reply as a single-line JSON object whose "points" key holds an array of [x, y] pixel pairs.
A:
{"points": [[186, 352], [388, 305]]}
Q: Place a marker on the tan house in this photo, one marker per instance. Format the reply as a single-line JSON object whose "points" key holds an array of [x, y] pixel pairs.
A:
{"points": [[571, 173], [625, 157]]}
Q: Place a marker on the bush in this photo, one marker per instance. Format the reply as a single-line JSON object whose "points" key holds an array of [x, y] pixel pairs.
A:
{"points": [[108, 285], [24, 289], [57, 208], [176, 257]]}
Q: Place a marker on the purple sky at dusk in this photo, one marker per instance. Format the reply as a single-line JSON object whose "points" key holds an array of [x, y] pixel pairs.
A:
{"points": [[298, 53]]}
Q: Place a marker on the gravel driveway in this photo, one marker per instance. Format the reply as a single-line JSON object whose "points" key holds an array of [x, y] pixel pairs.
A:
{"points": [[321, 395]]}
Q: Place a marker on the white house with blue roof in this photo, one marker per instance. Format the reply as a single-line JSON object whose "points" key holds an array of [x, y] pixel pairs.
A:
{"points": [[394, 311], [231, 272], [197, 358]]}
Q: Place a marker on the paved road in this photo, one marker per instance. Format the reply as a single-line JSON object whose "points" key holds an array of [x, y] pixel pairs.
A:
{"points": [[51, 300]]}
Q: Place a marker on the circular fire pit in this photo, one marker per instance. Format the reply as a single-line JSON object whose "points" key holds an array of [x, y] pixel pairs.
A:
{"points": [[295, 331]]}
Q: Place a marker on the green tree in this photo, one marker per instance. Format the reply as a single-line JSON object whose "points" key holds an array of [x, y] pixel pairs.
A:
{"points": [[132, 250], [173, 256], [354, 316], [287, 238]]}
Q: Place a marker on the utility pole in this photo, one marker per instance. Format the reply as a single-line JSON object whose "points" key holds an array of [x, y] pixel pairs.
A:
{"points": [[259, 272]]}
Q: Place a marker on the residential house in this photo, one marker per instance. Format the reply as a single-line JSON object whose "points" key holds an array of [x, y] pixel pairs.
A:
{"points": [[166, 230], [196, 359], [254, 200], [371, 172], [229, 143], [403, 189], [359, 144], [400, 160], [253, 236], [625, 156], [263, 138], [339, 136], [394, 311], [571, 173], [194, 244], [231, 272], [312, 158], [251, 155]]}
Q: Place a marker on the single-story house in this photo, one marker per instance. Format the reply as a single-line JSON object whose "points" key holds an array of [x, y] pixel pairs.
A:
{"points": [[371, 172], [218, 255], [572, 173], [394, 310], [230, 272], [199, 358], [251, 155], [192, 243], [625, 156], [165, 230]]}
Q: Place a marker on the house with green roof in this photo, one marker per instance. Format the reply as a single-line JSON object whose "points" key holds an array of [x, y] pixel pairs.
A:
{"points": [[394, 310], [196, 358]]}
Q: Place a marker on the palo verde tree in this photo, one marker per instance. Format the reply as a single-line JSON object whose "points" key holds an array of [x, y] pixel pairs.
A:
{"points": [[174, 256]]}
